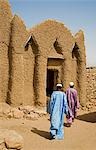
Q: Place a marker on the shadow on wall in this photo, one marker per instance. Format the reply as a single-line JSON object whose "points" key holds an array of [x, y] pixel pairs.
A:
{"points": [[90, 117], [44, 134]]}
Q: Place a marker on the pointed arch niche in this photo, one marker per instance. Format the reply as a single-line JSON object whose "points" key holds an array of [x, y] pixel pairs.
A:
{"points": [[76, 63]]}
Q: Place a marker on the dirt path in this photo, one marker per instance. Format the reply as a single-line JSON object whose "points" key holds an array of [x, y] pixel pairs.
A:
{"points": [[81, 136]]}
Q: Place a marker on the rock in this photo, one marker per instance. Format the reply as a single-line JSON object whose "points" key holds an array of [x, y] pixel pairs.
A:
{"points": [[5, 108], [6, 148], [2, 144], [13, 140], [10, 139], [26, 109], [32, 116], [1, 140], [28, 112], [11, 149], [40, 112], [10, 115], [17, 113]]}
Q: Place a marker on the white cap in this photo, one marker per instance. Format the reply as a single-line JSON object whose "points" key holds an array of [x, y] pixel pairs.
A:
{"points": [[59, 85], [71, 83]]}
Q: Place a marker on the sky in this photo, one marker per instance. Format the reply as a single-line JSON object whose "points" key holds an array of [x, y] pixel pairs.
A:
{"points": [[75, 14]]}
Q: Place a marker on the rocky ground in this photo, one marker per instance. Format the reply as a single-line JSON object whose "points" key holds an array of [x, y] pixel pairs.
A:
{"points": [[35, 131]]}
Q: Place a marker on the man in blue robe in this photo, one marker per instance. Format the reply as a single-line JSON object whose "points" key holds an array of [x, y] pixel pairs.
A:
{"points": [[58, 106]]}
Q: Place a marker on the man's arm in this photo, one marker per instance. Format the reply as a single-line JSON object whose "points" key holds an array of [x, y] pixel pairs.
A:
{"points": [[77, 100], [51, 103]]}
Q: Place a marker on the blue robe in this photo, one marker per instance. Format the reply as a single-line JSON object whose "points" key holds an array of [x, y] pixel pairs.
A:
{"points": [[58, 106]]}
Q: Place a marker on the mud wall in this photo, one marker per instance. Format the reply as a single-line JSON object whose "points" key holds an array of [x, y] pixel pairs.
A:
{"points": [[91, 87], [5, 29], [21, 65], [81, 71]]}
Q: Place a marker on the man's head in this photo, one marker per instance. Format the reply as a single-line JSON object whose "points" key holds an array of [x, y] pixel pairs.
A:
{"points": [[59, 86], [71, 84]]}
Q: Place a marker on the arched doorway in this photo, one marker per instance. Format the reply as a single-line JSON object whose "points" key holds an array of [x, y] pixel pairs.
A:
{"points": [[52, 76]]}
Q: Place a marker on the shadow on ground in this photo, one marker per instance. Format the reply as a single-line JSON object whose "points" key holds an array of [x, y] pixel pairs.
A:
{"points": [[44, 134], [90, 117], [66, 125]]}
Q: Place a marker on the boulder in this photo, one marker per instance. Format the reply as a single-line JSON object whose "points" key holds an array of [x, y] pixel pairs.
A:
{"points": [[11, 139]]}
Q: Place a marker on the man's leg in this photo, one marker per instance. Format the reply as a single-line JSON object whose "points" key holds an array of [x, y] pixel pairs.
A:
{"points": [[53, 132], [69, 121], [60, 133]]}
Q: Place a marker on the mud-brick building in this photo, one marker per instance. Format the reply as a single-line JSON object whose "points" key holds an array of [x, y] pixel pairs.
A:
{"points": [[32, 62]]}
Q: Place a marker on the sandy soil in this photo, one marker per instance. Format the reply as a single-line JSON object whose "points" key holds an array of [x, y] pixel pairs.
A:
{"points": [[81, 136]]}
